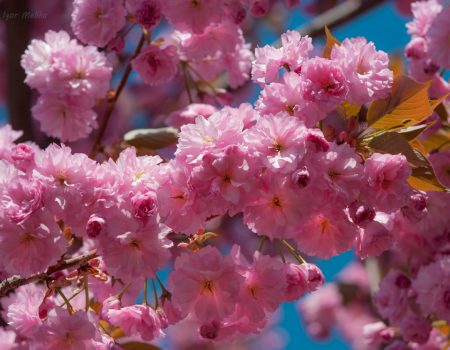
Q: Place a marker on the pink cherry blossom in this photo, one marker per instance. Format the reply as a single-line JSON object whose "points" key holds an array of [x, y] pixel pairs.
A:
{"points": [[263, 288], [275, 209], [437, 38], [301, 279], [22, 309], [386, 178], [156, 65], [133, 251], [21, 198], [146, 12], [193, 15], [325, 233], [441, 165], [277, 141], [178, 204], [60, 66], [7, 138], [416, 48], [373, 240], [7, 339], [318, 310], [267, 63], [325, 86], [424, 13], [31, 246], [415, 328], [222, 179], [38, 58], [296, 50], [293, 53], [64, 331], [206, 284], [208, 135], [433, 288], [365, 69], [97, 22], [64, 118], [392, 297], [22, 156], [188, 114], [138, 320]]}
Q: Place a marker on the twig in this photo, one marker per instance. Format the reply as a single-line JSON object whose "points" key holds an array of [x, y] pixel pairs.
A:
{"points": [[113, 102], [293, 252], [336, 16], [340, 14], [16, 281]]}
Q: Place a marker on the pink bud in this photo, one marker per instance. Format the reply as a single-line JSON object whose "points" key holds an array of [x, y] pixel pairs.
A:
{"points": [[144, 205], [301, 177], [361, 214], [416, 48], [210, 330], [94, 226]]}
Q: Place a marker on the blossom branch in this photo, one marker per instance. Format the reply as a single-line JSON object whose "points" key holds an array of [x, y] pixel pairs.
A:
{"points": [[112, 105], [17, 281], [340, 14]]}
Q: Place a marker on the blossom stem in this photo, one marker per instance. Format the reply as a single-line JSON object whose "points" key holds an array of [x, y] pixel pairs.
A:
{"points": [[123, 291], [145, 291], [86, 293], [186, 81], [261, 243], [155, 294], [161, 285], [280, 252], [112, 105], [70, 309], [72, 296], [293, 252]]}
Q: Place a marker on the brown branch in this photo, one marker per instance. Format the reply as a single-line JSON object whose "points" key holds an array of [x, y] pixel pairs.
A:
{"points": [[338, 15], [112, 105], [16, 281]]}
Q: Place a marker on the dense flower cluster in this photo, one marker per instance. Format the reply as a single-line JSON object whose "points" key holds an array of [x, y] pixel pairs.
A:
{"points": [[300, 176]]}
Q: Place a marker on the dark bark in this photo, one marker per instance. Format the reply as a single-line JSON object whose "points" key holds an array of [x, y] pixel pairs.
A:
{"points": [[18, 95]]}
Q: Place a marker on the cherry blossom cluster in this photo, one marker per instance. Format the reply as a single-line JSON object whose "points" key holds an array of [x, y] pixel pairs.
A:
{"points": [[427, 50], [205, 43], [346, 304], [70, 78]]}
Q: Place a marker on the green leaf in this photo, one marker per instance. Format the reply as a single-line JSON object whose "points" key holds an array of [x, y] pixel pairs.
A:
{"points": [[394, 143], [152, 138], [139, 346], [331, 41], [407, 105]]}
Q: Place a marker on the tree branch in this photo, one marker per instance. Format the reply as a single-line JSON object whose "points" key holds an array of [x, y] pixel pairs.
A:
{"points": [[113, 102], [336, 16], [16, 281]]}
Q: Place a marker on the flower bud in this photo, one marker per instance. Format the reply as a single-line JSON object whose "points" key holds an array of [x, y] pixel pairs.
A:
{"points": [[301, 177], [361, 214], [94, 226], [416, 48]]}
